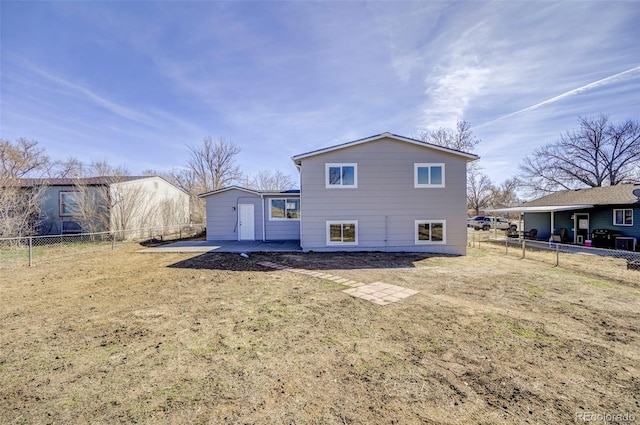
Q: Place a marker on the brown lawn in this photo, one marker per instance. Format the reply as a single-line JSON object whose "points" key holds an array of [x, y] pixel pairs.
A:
{"points": [[125, 337]]}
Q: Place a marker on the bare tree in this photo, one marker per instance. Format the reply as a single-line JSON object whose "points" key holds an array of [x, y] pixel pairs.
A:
{"points": [[214, 163], [272, 180], [598, 153], [106, 199], [460, 139], [131, 206], [211, 165], [186, 179], [479, 186], [20, 205], [480, 190], [506, 194], [91, 205], [69, 168], [20, 209]]}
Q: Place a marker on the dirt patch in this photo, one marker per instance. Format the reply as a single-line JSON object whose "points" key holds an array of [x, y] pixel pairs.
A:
{"points": [[215, 338]]}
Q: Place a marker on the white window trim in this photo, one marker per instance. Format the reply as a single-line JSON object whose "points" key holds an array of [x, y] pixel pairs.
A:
{"points": [[341, 186], [285, 202], [623, 224], [427, 164], [328, 232], [60, 203], [444, 232]]}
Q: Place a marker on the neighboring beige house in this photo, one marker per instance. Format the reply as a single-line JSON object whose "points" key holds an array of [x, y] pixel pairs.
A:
{"points": [[381, 193], [98, 204]]}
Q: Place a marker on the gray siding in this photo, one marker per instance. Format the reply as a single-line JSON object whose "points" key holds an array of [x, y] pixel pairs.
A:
{"points": [[51, 220], [280, 229], [385, 203], [222, 219], [222, 214]]}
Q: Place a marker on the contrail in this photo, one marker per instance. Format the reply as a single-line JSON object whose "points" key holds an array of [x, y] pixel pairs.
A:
{"points": [[567, 94]]}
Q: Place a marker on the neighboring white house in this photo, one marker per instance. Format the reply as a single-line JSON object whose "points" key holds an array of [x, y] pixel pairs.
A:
{"points": [[98, 204], [382, 193]]}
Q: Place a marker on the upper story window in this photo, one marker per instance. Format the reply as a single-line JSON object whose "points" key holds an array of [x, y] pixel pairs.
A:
{"points": [[284, 209], [428, 175], [70, 203], [623, 217], [341, 175]]}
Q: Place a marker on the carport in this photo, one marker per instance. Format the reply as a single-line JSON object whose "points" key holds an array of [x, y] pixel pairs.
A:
{"points": [[551, 209]]}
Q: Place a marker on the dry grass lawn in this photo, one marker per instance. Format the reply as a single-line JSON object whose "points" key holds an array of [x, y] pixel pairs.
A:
{"points": [[125, 337]]}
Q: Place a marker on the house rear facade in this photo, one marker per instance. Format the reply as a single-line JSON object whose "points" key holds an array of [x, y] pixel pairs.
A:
{"points": [[381, 193]]}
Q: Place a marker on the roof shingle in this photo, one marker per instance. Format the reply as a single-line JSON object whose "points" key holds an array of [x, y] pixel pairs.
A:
{"points": [[621, 194]]}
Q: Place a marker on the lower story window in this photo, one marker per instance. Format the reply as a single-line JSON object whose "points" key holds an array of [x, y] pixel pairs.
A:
{"points": [[431, 231], [284, 209], [623, 217], [342, 232]]}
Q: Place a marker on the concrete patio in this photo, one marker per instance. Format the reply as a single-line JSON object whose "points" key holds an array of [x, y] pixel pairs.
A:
{"points": [[228, 246]]}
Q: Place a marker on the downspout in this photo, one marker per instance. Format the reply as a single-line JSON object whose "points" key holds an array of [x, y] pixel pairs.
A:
{"points": [[386, 233], [264, 232], [301, 215]]}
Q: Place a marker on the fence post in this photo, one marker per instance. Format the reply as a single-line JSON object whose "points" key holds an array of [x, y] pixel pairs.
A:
{"points": [[524, 242], [506, 246], [113, 241], [30, 251], [557, 255], [180, 233]]}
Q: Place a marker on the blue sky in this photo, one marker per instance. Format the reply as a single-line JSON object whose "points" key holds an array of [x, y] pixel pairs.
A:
{"points": [[134, 82]]}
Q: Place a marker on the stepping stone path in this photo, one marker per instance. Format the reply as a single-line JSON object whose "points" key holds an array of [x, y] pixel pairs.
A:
{"points": [[378, 292]]}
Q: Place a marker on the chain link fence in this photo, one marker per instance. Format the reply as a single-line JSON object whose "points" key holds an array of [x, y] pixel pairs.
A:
{"points": [[23, 251], [620, 265]]}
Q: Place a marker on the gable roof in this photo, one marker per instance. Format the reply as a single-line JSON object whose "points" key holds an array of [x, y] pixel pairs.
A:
{"points": [[621, 194], [297, 159], [293, 192]]}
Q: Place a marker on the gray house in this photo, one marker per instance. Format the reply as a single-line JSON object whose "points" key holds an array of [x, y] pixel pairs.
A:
{"points": [[381, 193], [107, 203]]}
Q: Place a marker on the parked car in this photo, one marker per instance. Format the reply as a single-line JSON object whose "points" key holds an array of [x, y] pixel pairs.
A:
{"points": [[471, 221], [486, 223]]}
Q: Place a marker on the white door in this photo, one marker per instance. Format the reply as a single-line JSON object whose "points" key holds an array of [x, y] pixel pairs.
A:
{"points": [[581, 227], [246, 230]]}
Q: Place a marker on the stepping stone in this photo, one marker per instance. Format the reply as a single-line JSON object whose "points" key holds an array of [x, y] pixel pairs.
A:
{"points": [[380, 293]]}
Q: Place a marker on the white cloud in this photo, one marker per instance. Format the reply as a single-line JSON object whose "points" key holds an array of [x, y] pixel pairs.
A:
{"points": [[451, 92]]}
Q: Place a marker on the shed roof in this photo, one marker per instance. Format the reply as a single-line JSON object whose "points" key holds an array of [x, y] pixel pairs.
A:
{"points": [[290, 192], [297, 159]]}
